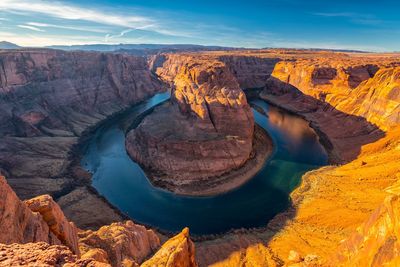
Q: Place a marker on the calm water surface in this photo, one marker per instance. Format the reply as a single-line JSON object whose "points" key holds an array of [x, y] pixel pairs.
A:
{"points": [[124, 184]]}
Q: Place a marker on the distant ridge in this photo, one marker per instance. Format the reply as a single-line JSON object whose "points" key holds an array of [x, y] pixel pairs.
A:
{"points": [[8, 45], [141, 47]]}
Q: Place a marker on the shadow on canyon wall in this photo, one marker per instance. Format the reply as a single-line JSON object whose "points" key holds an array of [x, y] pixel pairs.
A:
{"points": [[36, 164], [342, 135]]}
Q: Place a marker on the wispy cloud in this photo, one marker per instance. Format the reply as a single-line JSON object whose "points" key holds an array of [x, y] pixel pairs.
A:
{"points": [[75, 28], [65, 11], [32, 28], [122, 33]]}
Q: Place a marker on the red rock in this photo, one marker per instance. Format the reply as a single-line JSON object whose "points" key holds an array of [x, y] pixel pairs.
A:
{"points": [[205, 132], [178, 251], [43, 255], [125, 243], [18, 224], [59, 225], [376, 242]]}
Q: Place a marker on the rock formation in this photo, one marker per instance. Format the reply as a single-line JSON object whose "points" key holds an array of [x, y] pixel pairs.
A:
{"points": [[42, 254], [178, 251], [51, 213], [376, 242], [124, 244], [18, 224], [334, 200], [48, 99], [38, 227], [206, 131]]}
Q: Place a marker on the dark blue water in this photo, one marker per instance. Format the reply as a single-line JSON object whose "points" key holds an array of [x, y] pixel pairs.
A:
{"points": [[124, 184]]}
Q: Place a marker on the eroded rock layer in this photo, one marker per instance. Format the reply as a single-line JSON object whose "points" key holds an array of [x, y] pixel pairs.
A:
{"points": [[34, 232], [350, 99], [178, 251], [205, 132], [125, 244], [48, 99]]}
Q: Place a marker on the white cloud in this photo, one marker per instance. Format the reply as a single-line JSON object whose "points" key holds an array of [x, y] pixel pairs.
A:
{"points": [[122, 33], [69, 12], [31, 28], [75, 28]]}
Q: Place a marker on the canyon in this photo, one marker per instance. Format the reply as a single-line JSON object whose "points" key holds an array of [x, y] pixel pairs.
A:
{"points": [[196, 142], [344, 214]]}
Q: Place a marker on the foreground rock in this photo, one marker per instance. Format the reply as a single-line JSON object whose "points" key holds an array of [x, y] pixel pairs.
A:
{"points": [[18, 224], [48, 99], [376, 241], [42, 226], [178, 251], [206, 130], [43, 255], [121, 244], [51, 213]]}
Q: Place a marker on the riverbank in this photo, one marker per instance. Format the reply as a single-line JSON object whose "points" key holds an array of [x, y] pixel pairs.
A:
{"points": [[262, 150]]}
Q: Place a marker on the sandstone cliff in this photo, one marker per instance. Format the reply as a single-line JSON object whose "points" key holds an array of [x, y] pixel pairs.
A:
{"points": [[178, 251], [205, 132], [343, 96], [368, 90], [48, 99], [32, 233], [124, 244], [42, 254], [376, 242], [59, 225], [18, 224]]}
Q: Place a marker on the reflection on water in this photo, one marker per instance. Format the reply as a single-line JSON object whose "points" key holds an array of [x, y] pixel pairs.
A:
{"points": [[124, 184]]}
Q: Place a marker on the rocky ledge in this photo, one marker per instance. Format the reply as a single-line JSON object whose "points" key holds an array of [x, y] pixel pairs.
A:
{"points": [[201, 142], [36, 232]]}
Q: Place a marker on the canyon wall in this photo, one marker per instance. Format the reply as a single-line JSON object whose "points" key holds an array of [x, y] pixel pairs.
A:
{"points": [[206, 130], [351, 101], [36, 232], [48, 99], [250, 71], [365, 88]]}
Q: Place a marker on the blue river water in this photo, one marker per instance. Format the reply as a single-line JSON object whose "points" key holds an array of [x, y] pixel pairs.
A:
{"points": [[123, 183]]}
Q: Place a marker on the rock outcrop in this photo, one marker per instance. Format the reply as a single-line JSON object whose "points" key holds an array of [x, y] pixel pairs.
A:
{"points": [[376, 242], [331, 201], [206, 131], [48, 99], [18, 224], [59, 225], [36, 230], [368, 90], [42, 254], [178, 251], [121, 244]]}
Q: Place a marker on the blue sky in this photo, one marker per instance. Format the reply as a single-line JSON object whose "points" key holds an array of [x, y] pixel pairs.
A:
{"points": [[350, 24]]}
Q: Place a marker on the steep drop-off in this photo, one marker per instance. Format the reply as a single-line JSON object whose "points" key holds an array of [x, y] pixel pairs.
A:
{"points": [[37, 233], [48, 99], [332, 201], [352, 100], [205, 132]]}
